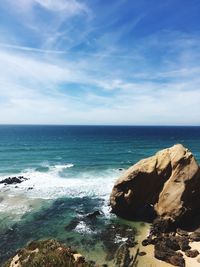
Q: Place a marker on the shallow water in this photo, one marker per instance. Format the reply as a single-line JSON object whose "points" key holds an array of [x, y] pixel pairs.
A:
{"points": [[71, 171]]}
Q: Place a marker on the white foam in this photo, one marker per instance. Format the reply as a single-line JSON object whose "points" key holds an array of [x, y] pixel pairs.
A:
{"points": [[119, 239], [83, 228], [50, 185], [61, 167]]}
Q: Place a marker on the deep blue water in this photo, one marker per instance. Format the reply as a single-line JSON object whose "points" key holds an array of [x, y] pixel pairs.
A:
{"points": [[71, 171], [88, 147]]}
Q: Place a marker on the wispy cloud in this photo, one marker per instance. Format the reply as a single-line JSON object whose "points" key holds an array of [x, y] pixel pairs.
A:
{"points": [[31, 49], [70, 7], [74, 62]]}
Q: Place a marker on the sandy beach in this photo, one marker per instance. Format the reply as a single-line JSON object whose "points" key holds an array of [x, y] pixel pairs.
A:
{"points": [[149, 260]]}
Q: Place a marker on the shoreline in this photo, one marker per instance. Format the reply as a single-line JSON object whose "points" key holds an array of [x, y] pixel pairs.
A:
{"points": [[80, 222], [150, 260], [143, 230]]}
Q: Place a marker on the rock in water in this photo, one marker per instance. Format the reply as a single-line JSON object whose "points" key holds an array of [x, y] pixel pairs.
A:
{"points": [[13, 180], [93, 215], [167, 183]]}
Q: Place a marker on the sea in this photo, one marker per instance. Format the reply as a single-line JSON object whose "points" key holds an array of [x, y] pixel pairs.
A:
{"points": [[71, 171]]}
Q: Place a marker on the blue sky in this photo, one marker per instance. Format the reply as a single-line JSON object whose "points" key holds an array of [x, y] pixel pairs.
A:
{"points": [[132, 62]]}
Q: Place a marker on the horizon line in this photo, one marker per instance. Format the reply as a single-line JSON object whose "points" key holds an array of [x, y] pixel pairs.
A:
{"points": [[104, 125]]}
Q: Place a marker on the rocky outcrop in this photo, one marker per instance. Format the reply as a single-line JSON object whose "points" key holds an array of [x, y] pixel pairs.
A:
{"points": [[13, 180], [195, 236], [165, 185], [170, 246], [51, 253], [47, 253]]}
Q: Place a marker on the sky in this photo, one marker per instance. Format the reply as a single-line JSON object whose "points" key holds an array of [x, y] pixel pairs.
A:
{"points": [[100, 62]]}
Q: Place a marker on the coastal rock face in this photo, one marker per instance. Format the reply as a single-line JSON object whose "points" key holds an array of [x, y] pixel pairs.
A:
{"points": [[47, 253], [167, 183]]}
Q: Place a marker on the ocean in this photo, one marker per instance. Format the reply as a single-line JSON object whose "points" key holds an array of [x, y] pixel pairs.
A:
{"points": [[71, 171]]}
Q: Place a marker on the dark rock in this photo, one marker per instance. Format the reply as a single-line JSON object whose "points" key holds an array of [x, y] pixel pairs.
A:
{"points": [[130, 242], [134, 261], [113, 236], [162, 252], [150, 240], [177, 260], [13, 180], [181, 232], [183, 242], [93, 215], [154, 240], [122, 256], [30, 188], [145, 242], [120, 169], [160, 225], [142, 253], [72, 225], [192, 253], [195, 236], [171, 242]]}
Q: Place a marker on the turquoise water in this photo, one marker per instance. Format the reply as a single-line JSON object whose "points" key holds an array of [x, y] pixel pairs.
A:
{"points": [[87, 147], [71, 171]]}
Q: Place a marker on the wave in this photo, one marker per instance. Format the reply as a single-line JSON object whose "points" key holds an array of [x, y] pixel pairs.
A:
{"points": [[61, 167], [51, 185], [45, 166]]}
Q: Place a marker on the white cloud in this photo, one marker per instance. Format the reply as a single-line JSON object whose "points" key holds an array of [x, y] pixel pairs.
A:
{"points": [[52, 30], [112, 85], [71, 7], [30, 93]]}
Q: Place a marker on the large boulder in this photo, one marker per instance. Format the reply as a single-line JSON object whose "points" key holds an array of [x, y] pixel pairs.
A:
{"points": [[167, 184]]}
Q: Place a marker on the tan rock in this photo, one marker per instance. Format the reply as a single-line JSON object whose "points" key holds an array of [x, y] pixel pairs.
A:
{"points": [[79, 258], [168, 183], [15, 262]]}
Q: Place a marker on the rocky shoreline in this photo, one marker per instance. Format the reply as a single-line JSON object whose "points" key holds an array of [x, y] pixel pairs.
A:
{"points": [[170, 245], [163, 190]]}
